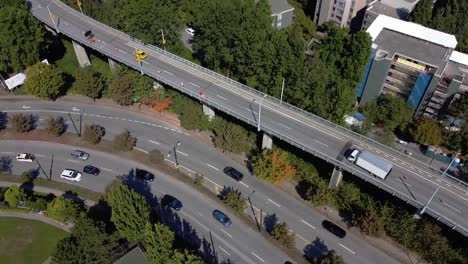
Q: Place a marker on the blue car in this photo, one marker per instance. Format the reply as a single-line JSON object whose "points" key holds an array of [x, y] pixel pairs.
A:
{"points": [[222, 218], [171, 201]]}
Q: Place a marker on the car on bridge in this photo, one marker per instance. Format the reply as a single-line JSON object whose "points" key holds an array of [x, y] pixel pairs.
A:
{"points": [[140, 54], [27, 157]]}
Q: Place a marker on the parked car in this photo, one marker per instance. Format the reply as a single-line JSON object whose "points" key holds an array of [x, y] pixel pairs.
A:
{"points": [[222, 218], [171, 201], [334, 229], [80, 155], [27, 157], [190, 31], [401, 141], [72, 175], [233, 173], [90, 169], [144, 175]]}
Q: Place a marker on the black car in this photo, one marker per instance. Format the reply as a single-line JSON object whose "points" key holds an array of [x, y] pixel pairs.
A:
{"points": [[144, 175], [90, 169], [171, 201], [334, 229], [233, 173]]}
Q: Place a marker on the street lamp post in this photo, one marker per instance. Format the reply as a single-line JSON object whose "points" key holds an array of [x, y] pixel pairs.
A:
{"points": [[282, 90], [163, 39], [428, 202], [450, 164], [175, 156], [78, 3], [261, 212], [260, 112], [52, 18]]}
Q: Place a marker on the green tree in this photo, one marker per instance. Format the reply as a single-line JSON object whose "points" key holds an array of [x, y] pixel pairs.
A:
{"points": [[45, 81], [93, 133], [124, 141], [232, 137], [21, 123], [121, 90], [272, 166], [193, 117], [142, 86], [130, 211], [185, 257], [422, 13], [14, 195], [88, 243], [449, 16], [459, 107], [55, 126], [281, 233], [234, 200], [329, 257], [158, 243], [23, 38], [391, 112], [63, 209], [371, 223], [426, 131], [89, 82]]}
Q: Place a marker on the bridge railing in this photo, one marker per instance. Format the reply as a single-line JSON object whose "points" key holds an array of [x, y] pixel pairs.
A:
{"points": [[333, 160], [271, 98]]}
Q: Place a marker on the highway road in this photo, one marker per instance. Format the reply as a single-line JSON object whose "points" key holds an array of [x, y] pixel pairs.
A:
{"points": [[239, 242], [411, 180], [199, 157]]}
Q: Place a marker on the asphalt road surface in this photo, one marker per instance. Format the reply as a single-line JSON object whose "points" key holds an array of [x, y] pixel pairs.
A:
{"points": [[413, 179], [199, 157]]}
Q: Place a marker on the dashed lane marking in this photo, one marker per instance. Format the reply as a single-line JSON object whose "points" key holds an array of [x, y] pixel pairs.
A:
{"points": [[222, 97], [168, 72], [194, 84], [213, 167], [273, 202], [106, 169], [154, 142], [354, 253], [244, 184], [229, 235], [224, 250], [284, 126], [142, 150], [257, 256], [313, 227], [72, 160], [180, 152]]}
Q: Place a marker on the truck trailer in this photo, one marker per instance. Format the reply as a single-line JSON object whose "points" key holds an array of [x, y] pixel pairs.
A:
{"points": [[372, 163]]}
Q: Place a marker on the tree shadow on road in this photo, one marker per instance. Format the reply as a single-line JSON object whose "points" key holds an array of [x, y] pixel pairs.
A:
{"points": [[315, 249], [3, 120], [6, 165], [140, 186], [270, 221]]}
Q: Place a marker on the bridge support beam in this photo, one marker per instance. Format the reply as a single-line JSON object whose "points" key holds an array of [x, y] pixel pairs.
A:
{"points": [[209, 112], [336, 177], [113, 64], [267, 141], [81, 55]]}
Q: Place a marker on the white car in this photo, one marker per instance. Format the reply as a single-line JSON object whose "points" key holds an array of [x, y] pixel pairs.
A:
{"points": [[25, 157], [72, 175], [402, 142], [190, 31]]}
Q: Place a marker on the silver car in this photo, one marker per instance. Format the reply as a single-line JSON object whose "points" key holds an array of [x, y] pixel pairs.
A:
{"points": [[80, 155]]}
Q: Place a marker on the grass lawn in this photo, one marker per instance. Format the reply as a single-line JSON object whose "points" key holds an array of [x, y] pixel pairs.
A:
{"points": [[67, 61], [27, 241]]}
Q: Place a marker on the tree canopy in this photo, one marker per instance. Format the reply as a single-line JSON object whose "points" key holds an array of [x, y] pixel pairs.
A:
{"points": [[159, 241], [273, 166], [89, 82], [45, 81], [426, 131], [23, 38], [459, 107], [391, 112]]}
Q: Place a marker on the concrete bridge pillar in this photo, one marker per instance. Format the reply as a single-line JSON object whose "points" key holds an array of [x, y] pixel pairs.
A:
{"points": [[81, 55], [336, 177], [113, 64], [208, 111], [267, 141]]}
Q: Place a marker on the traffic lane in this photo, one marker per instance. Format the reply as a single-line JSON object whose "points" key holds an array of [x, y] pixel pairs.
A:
{"points": [[233, 235]]}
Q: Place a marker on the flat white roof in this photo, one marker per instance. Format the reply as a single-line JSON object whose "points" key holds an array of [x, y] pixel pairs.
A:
{"points": [[15, 81], [459, 57], [411, 29]]}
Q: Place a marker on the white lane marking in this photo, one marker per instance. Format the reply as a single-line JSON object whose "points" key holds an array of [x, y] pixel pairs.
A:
{"points": [[244, 184], [224, 250], [72, 160], [284, 126], [172, 129], [6, 152], [154, 142], [273, 202], [75, 109], [257, 256], [213, 167], [180, 152], [187, 134], [354, 253], [106, 169], [194, 84], [142, 150], [40, 155], [320, 142], [451, 207], [25, 107], [123, 51], [226, 233], [124, 119], [313, 227], [166, 128], [224, 98], [168, 72]]}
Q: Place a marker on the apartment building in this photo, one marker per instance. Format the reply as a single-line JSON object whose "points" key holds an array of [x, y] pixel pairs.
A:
{"points": [[393, 8], [282, 13], [414, 62], [345, 13]]}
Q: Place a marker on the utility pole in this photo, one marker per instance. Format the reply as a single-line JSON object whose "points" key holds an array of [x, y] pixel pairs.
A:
{"points": [[260, 112], [428, 202], [52, 18], [282, 90]]}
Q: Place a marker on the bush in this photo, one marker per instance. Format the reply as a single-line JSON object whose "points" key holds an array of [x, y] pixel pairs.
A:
{"points": [[156, 157], [281, 233], [199, 180], [21, 123], [63, 209], [27, 176], [233, 199], [14, 195], [124, 142], [55, 126], [93, 134], [38, 205]]}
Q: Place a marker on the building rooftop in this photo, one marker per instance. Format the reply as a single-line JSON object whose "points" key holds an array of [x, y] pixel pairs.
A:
{"points": [[378, 7], [279, 6], [459, 57], [134, 256], [418, 49], [411, 29]]}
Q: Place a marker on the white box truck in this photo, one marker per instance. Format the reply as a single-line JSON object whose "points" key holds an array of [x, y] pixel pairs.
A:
{"points": [[372, 163]]}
